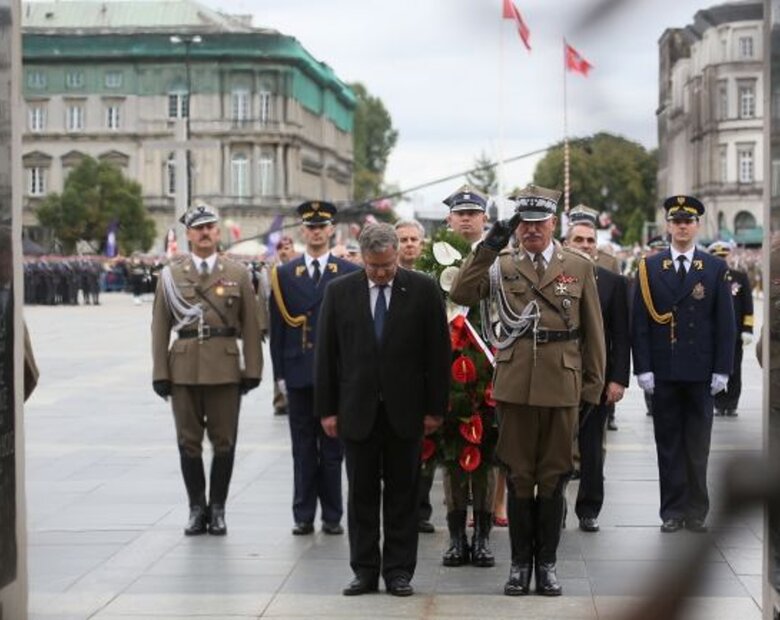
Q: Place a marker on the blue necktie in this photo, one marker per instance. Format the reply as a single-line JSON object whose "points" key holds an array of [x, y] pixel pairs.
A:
{"points": [[380, 311]]}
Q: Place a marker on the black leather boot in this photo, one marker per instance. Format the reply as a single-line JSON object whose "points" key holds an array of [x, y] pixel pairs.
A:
{"points": [[195, 482], [221, 472], [549, 518], [457, 554], [481, 555], [521, 539]]}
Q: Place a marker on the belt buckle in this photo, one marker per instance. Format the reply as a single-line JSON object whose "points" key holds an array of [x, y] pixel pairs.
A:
{"points": [[542, 336], [204, 332]]}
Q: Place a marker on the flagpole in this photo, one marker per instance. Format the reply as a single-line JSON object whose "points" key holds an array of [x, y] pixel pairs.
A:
{"points": [[566, 170], [500, 197]]}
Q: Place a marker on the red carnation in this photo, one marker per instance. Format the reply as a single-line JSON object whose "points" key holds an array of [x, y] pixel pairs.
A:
{"points": [[428, 449], [463, 370], [489, 400], [472, 430], [470, 458]]}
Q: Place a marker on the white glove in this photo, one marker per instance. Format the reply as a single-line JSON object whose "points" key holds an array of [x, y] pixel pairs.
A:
{"points": [[747, 338], [719, 383], [282, 385], [646, 381]]}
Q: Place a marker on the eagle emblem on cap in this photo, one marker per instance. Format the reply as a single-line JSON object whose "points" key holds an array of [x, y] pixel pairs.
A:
{"points": [[466, 196], [315, 206], [680, 200]]}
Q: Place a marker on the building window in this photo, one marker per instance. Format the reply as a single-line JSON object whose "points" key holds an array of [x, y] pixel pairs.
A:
{"points": [[113, 116], [37, 179], [265, 106], [36, 79], [37, 118], [170, 175], [747, 98], [745, 47], [178, 105], [745, 163], [723, 100], [266, 174], [113, 79], [74, 119], [723, 163], [74, 79], [776, 178], [744, 220], [239, 104], [238, 168]]}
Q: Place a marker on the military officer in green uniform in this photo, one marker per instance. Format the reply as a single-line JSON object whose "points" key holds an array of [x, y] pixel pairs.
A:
{"points": [[582, 214], [549, 363], [209, 302]]}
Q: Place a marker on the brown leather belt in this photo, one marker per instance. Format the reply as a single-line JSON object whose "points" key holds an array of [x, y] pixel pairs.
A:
{"points": [[544, 336], [209, 332]]}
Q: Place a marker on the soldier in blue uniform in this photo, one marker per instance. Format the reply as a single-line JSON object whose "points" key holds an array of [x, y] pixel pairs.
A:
{"points": [[742, 295], [683, 336], [297, 290]]}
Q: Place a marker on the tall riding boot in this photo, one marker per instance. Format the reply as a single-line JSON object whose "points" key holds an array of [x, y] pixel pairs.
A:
{"points": [[548, 535], [195, 482], [521, 539], [221, 471], [457, 554], [481, 555]]}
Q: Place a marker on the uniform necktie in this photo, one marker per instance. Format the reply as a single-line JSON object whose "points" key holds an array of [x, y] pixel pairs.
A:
{"points": [[681, 271], [204, 268], [539, 261], [316, 273], [380, 311]]}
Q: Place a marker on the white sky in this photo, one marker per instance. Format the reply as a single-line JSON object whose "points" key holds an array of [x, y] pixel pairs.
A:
{"points": [[437, 66]]}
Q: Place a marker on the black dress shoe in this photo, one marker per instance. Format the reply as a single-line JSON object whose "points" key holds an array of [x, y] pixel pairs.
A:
{"points": [[302, 529], [217, 526], [399, 586], [334, 529], [361, 585], [547, 580], [732, 413], [671, 525], [612, 425], [519, 581], [695, 525], [197, 523], [425, 527], [589, 524]]}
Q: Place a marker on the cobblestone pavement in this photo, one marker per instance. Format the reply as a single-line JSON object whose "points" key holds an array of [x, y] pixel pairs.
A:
{"points": [[105, 508]]}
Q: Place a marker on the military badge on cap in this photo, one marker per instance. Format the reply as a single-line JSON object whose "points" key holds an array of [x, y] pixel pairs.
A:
{"points": [[583, 215], [316, 212], [683, 207], [198, 215], [466, 198], [719, 248], [535, 204]]}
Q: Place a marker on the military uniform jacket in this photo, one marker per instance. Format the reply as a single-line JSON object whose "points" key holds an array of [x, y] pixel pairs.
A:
{"points": [[214, 360], [742, 296], [564, 373], [292, 346], [702, 342]]}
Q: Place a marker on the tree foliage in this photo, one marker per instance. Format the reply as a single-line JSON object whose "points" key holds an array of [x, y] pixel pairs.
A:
{"points": [[95, 195], [374, 138], [609, 174], [484, 176]]}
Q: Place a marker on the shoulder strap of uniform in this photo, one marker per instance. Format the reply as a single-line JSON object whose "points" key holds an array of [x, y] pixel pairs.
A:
{"points": [[647, 297], [292, 321]]}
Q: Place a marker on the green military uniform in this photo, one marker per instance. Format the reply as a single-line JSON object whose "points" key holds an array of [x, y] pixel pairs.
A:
{"points": [[203, 369], [608, 261]]}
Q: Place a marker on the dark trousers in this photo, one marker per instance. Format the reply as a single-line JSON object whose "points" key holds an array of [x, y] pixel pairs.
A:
{"points": [[590, 495], [682, 420], [316, 462], [383, 470], [729, 399], [424, 494]]}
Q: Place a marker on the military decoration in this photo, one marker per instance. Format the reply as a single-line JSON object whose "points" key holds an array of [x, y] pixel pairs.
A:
{"points": [[561, 289], [698, 291], [300, 270], [666, 264], [698, 265], [332, 267], [220, 290]]}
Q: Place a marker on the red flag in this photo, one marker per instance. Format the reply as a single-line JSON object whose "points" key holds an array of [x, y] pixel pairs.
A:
{"points": [[575, 62], [510, 12]]}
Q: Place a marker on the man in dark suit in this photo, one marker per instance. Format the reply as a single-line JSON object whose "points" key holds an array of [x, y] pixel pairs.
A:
{"points": [[613, 297], [742, 295], [382, 379], [297, 290], [683, 335]]}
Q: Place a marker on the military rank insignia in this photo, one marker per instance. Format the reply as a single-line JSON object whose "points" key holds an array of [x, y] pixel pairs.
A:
{"points": [[666, 265], [698, 265], [332, 267], [698, 291], [300, 270]]}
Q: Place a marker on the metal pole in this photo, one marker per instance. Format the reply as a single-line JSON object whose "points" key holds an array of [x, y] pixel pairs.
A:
{"points": [[188, 195]]}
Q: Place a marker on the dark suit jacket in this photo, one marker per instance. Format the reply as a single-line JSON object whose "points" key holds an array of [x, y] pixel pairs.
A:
{"points": [[613, 296], [409, 370], [704, 321], [292, 351]]}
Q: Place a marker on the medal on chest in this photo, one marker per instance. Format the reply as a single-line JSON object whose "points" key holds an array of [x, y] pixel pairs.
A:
{"points": [[698, 291]]}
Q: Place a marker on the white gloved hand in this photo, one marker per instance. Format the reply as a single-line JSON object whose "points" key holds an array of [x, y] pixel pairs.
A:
{"points": [[282, 385], [719, 383], [746, 337], [646, 381]]}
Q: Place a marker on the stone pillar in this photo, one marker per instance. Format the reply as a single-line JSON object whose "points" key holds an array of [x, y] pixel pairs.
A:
{"points": [[13, 535]]}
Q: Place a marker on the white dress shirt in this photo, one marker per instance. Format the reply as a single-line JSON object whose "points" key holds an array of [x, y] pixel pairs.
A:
{"points": [[373, 293], [547, 254], [688, 256], [322, 260], [210, 261]]}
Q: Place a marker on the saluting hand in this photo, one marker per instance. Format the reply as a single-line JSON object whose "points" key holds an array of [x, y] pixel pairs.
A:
{"points": [[501, 232], [330, 425]]}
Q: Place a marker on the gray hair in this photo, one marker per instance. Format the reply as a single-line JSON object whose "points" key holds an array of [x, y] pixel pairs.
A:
{"points": [[411, 224], [376, 238]]}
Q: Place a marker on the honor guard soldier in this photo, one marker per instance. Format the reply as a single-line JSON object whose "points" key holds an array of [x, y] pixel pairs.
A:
{"points": [[742, 295], [549, 363], [297, 291], [209, 302], [683, 346], [582, 214]]}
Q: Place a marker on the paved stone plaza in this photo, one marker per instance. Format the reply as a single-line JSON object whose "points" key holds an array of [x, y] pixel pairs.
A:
{"points": [[106, 506]]}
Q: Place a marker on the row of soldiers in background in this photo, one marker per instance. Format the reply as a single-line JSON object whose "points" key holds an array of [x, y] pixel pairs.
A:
{"points": [[56, 280]]}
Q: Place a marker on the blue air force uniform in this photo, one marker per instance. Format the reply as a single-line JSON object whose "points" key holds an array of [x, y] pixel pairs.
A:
{"points": [[294, 310], [683, 333]]}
